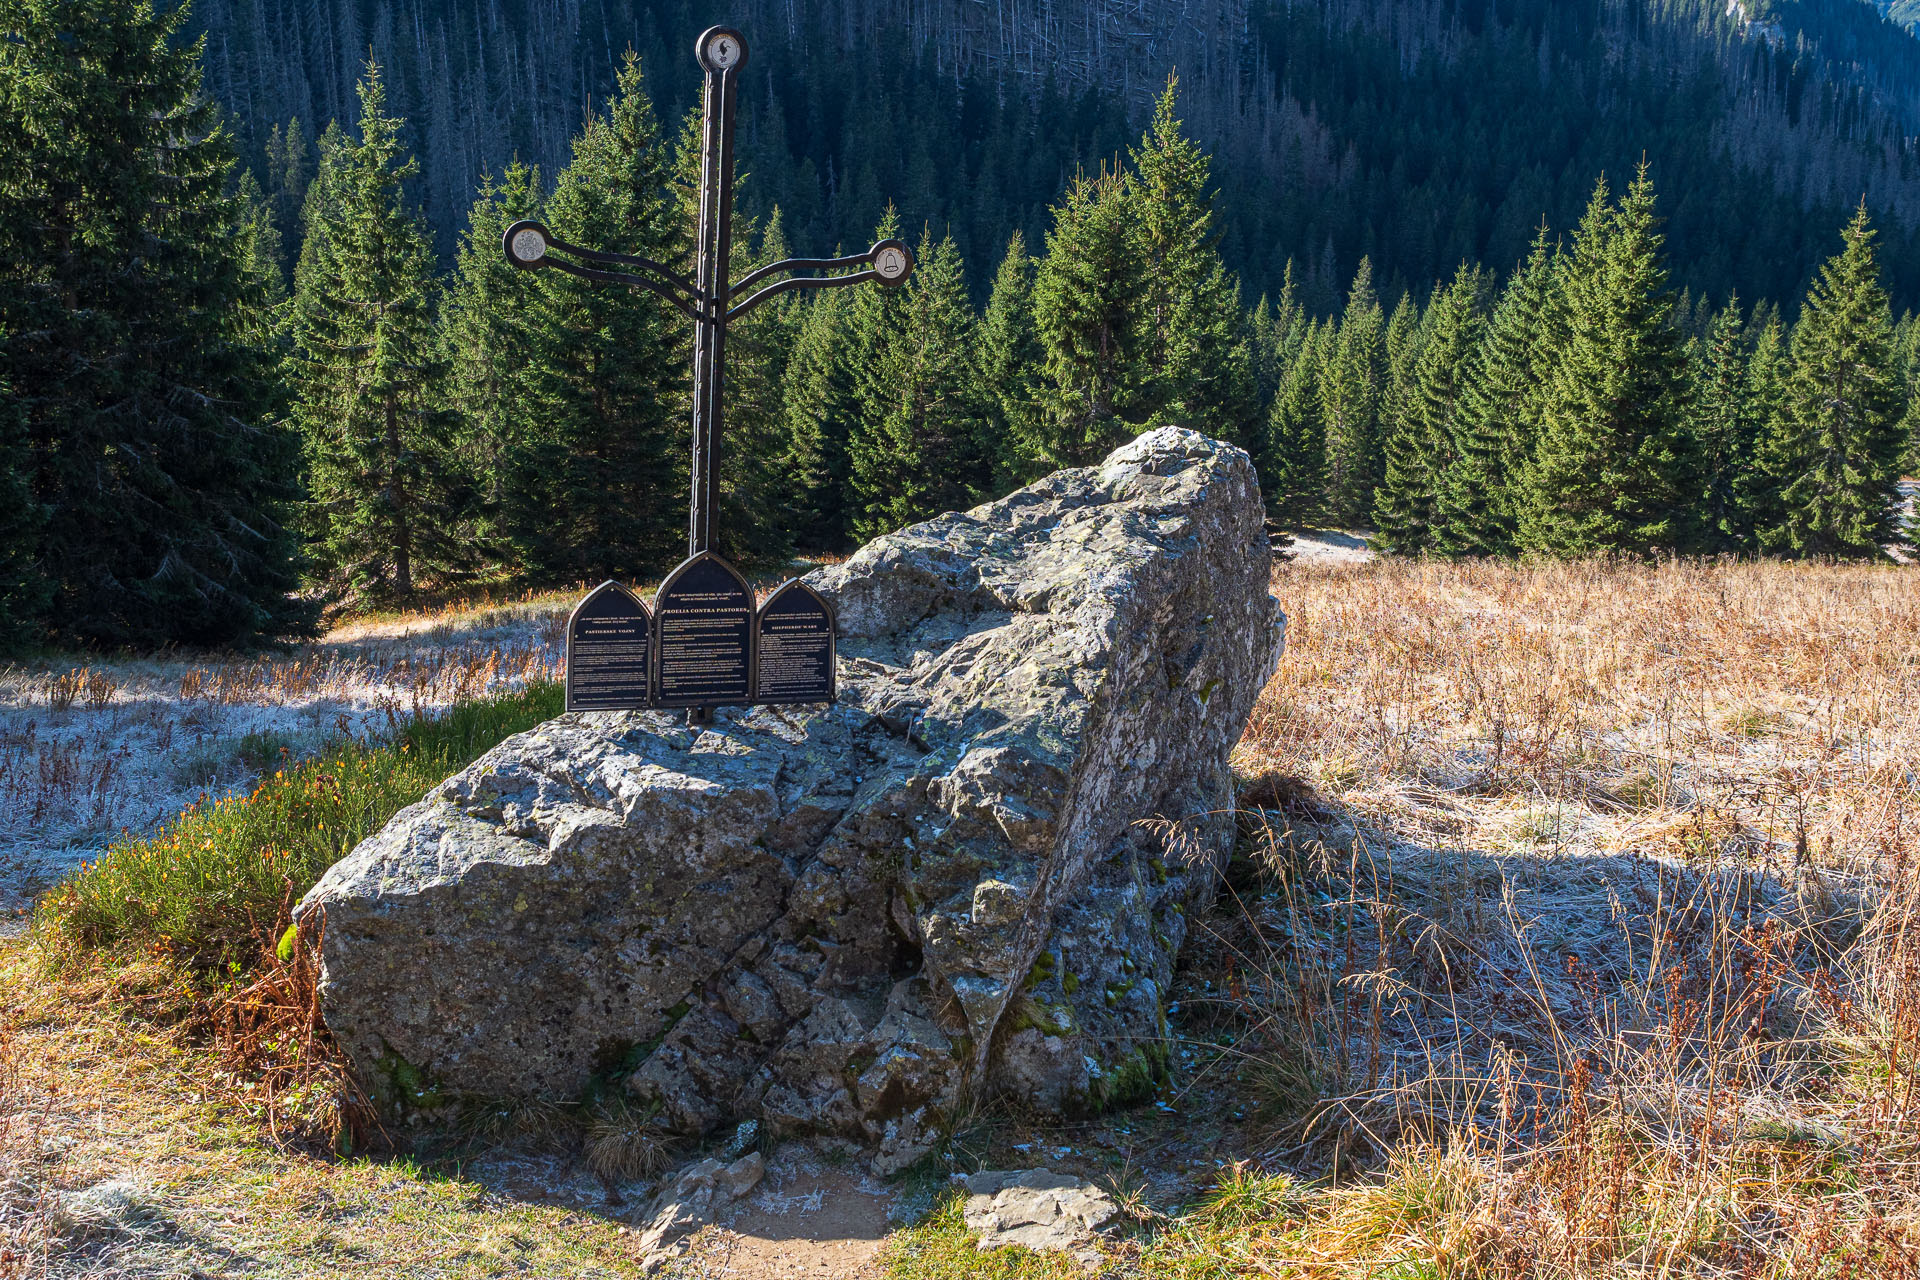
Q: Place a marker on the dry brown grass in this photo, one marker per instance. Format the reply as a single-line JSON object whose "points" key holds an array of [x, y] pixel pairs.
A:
{"points": [[1778, 703], [155, 1157], [275, 1044], [1581, 938], [26, 1231], [1589, 936]]}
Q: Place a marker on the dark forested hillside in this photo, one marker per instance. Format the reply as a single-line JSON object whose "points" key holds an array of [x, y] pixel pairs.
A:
{"points": [[1447, 135], [1420, 132]]}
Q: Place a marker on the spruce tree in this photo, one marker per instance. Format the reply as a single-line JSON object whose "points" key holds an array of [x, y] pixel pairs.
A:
{"points": [[1424, 470], [487, 338], [323, 188], [608, 440], [840, 395], [1469, 492], [1403, 503], [1283, 350], [754, 524], [1087, 309], [1755, 489], [1613, 470], [1906, 345], [1399, 392], [369, 379], [876, 327], [1011, 361], [1293, 461], [1264, 361], [141, 400], [1193, 345], [1350, 390], [23, 589], [924, 455], [1726, 430], [1834, 444], [755, 528], [1272, 326], [289, 168], [258, 237], [1505, 393], [820, 411]]}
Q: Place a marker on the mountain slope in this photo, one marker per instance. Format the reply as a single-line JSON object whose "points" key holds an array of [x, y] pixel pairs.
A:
{"points": [[1419, 132]]}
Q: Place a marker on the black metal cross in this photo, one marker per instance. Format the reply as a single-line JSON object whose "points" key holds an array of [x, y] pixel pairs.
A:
{"points": [[708, 298], [705, 643]]}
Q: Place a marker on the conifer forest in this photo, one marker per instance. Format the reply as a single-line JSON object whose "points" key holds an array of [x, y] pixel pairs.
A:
{"points": [[1504, 279]]}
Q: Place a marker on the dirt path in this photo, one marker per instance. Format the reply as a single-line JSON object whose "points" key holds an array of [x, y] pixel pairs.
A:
{"points": [[807, 1221]]}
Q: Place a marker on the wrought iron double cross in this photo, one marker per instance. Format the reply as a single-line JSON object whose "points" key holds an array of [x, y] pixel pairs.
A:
{"points": [[709, 297], [705, 643]]}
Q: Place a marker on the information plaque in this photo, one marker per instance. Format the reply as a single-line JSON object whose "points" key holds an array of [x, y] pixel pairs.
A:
{"points": [[703, 617], [793, 647], [609, 644]]}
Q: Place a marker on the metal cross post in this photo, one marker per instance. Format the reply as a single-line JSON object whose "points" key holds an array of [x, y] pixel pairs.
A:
{"points": [[708, 298]]}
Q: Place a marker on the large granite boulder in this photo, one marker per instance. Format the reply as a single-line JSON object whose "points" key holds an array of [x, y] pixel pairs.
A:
{"points": [[968, 876]]}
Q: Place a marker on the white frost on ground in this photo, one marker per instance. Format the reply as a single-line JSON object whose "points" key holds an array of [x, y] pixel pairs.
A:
{"points": [[90, 751], [1331, 546]]}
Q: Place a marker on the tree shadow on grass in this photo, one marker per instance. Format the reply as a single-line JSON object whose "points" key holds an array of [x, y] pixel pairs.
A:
{"points": [[1363, 990]]}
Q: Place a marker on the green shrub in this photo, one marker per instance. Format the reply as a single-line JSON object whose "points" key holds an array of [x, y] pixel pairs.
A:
{"points": [[210, 885], [219, 760], [205, 764], [259, 752]]}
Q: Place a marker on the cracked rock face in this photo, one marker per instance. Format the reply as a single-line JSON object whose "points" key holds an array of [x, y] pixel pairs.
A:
{"points": [[970, 875]]}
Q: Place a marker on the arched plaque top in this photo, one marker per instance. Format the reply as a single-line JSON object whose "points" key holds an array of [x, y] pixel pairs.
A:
{"points": [[793, 596], [704, 570], [609, 599], [794, 646], [704, 617]]}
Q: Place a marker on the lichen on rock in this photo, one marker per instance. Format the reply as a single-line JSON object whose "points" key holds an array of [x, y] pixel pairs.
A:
{"points": [[833, 918]]}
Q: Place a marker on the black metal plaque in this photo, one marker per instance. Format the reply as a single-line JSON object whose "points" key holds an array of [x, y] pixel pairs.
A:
{"points": [[793, 647], [703, 636], [609, 649]]}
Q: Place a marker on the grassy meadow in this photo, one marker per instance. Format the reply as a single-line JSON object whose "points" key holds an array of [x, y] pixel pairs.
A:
{"points": [[1618, 866], [1575, 931]]}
